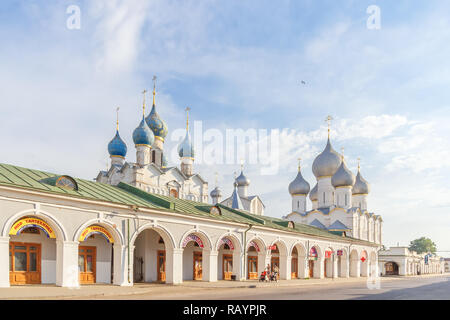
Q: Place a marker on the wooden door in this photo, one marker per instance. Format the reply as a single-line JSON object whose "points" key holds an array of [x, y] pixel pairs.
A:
{"points": [[252, 266], [161, 265], [325, 267], [24, 263], [294, 268], [227, 266], [87, 264], [275, 262], [198, 265], [311, 268]]}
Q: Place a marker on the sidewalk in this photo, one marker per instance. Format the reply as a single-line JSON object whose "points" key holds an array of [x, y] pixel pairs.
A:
{"points": [[52, 291]]}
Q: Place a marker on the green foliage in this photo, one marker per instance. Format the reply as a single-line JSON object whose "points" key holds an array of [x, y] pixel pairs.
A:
{"points": [[422, 245]]}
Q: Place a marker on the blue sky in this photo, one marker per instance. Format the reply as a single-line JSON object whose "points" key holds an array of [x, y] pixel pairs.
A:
{"points": [[238, 64]]}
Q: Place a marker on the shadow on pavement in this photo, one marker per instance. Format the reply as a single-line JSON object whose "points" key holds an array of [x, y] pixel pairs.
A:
{"points": [[434, 291]]}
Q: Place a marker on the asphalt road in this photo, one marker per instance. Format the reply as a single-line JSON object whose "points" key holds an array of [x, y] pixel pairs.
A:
{"points": [[427, 288]]}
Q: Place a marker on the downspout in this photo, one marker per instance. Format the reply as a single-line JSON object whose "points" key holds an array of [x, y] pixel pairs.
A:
{"points": [[307, 260], [245, 250]]}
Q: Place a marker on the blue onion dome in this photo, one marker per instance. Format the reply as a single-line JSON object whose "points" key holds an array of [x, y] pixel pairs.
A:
{"points": [[142, 135], [156, 124], [186, 148], [216, 193], [361, 186], [242, 180], [343, 177], [326, 163], [313, 195], [117, 147], [299, 185]]}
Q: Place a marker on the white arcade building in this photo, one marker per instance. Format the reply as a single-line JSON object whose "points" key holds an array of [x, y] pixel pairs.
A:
{"points": [[144, 222]]}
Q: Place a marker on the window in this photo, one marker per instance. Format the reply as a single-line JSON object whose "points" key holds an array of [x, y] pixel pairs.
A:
{"points": [[346, 199], [66, 182], [324, 197]]}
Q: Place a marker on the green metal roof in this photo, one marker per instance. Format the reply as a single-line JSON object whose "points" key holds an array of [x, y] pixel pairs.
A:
{"points": [[126, 194]]}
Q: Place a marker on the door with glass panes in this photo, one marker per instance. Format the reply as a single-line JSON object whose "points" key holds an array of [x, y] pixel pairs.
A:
{"points": [[227, 266], [86, 264], [24, 263], [162, 265]]}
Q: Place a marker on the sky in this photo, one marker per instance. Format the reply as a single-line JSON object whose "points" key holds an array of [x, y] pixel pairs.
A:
{"points": [[240, 65]]}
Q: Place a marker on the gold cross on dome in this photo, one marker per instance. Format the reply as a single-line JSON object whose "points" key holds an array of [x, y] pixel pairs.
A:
{"points": [[154, 89], [117, 117], [359, 163], [187, 117], [299, 163], [328, 120], [342, 152], [143, 105]]}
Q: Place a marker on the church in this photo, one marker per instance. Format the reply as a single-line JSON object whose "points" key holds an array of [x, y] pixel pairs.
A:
{"points": [[146, 222], [150, 172], [338, 198]]}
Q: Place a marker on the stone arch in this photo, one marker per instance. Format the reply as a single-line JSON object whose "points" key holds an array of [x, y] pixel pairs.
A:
{"points": [[364, 264], [315, 267], [328, 267], [342, 263], [163, 232], [391, 268], [283, 246], [201, 234], [255, 260], [50, 249], [61, 233], [259, 242], [152, 259], [198, 260], [300, 268], [237, 244], [228, 257], [354, 263]]}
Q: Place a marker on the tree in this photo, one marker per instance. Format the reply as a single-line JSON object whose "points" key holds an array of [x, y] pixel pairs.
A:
{"points": [[422, 245]]}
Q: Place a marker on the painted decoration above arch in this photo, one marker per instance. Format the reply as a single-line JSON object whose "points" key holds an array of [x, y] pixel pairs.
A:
{"points": [[226, 241], [94, 229], [313, 252], [253, 244], [29, 222], [192, 237]]}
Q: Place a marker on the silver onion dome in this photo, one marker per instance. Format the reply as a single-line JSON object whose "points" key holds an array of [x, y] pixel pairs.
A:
{"points": [[242, 180], [299, 185], [361, 186], [216, 193], [326, 163], [343, 177], [313, 195]]}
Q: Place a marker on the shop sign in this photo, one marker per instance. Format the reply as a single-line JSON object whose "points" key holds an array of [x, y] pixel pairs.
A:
{"points": [[193, 237], [25, 223], [228, 242], [253, 244], [91, 230]]}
